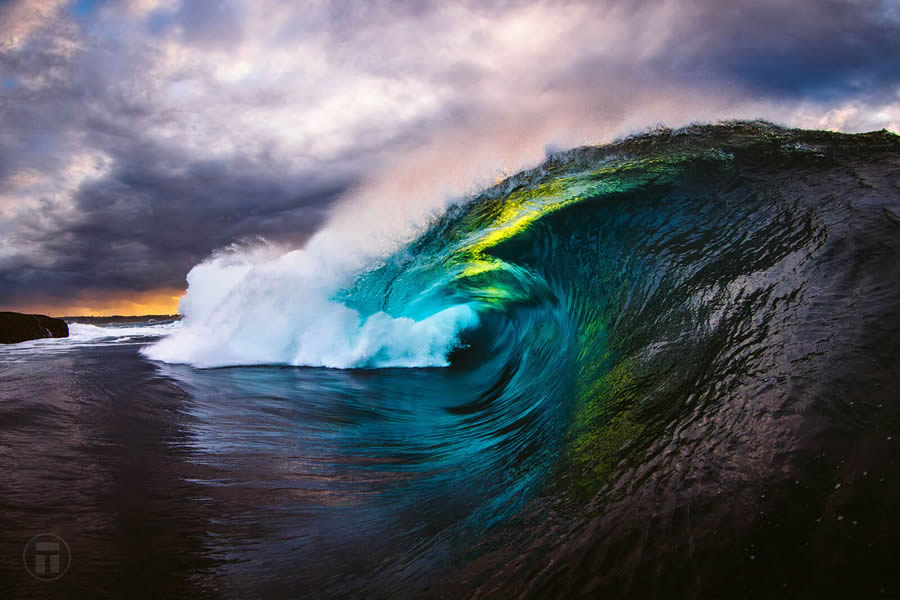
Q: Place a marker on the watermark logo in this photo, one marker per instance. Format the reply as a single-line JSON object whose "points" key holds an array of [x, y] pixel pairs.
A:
{"points": [[47, 557]]}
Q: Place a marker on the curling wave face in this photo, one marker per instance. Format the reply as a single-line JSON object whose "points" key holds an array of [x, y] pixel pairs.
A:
{"points": [[643, 326]]}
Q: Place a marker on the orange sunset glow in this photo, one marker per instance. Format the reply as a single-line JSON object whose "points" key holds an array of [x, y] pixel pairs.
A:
{"points": [[153, 302]]}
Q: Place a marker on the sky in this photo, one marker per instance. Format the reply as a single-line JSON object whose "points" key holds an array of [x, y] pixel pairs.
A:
{"points": [[139, 136]]}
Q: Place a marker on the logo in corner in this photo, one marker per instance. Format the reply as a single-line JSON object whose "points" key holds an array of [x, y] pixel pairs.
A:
{"points": [[47, 557]]}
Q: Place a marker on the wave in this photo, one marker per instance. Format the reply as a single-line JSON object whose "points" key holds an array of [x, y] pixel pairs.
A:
{"points": [[322, 307], [617, 280], [630, 333], [594, 237], [621, 284]]}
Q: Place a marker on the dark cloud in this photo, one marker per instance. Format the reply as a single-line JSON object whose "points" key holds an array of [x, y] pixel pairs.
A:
{"points": [[826, 50], [138, 136], [142, 226]]}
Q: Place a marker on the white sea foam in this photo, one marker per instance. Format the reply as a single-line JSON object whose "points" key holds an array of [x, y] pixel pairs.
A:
{"points": [[247, 307]]}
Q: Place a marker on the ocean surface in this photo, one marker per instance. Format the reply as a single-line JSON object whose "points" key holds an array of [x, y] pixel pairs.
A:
{"points": [[667, 367]]}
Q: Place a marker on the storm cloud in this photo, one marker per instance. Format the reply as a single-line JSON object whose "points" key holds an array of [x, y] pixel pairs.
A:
{"points": [[138, 136]]}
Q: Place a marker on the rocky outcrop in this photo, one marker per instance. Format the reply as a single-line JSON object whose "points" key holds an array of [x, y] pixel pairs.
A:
{"points": [[16, 327]]}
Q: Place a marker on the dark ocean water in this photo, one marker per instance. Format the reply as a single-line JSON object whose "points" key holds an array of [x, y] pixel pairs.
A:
{"points": [[683, 381]]}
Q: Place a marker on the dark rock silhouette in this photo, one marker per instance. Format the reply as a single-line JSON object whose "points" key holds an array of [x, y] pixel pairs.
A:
{"points": [[16, 327]]}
